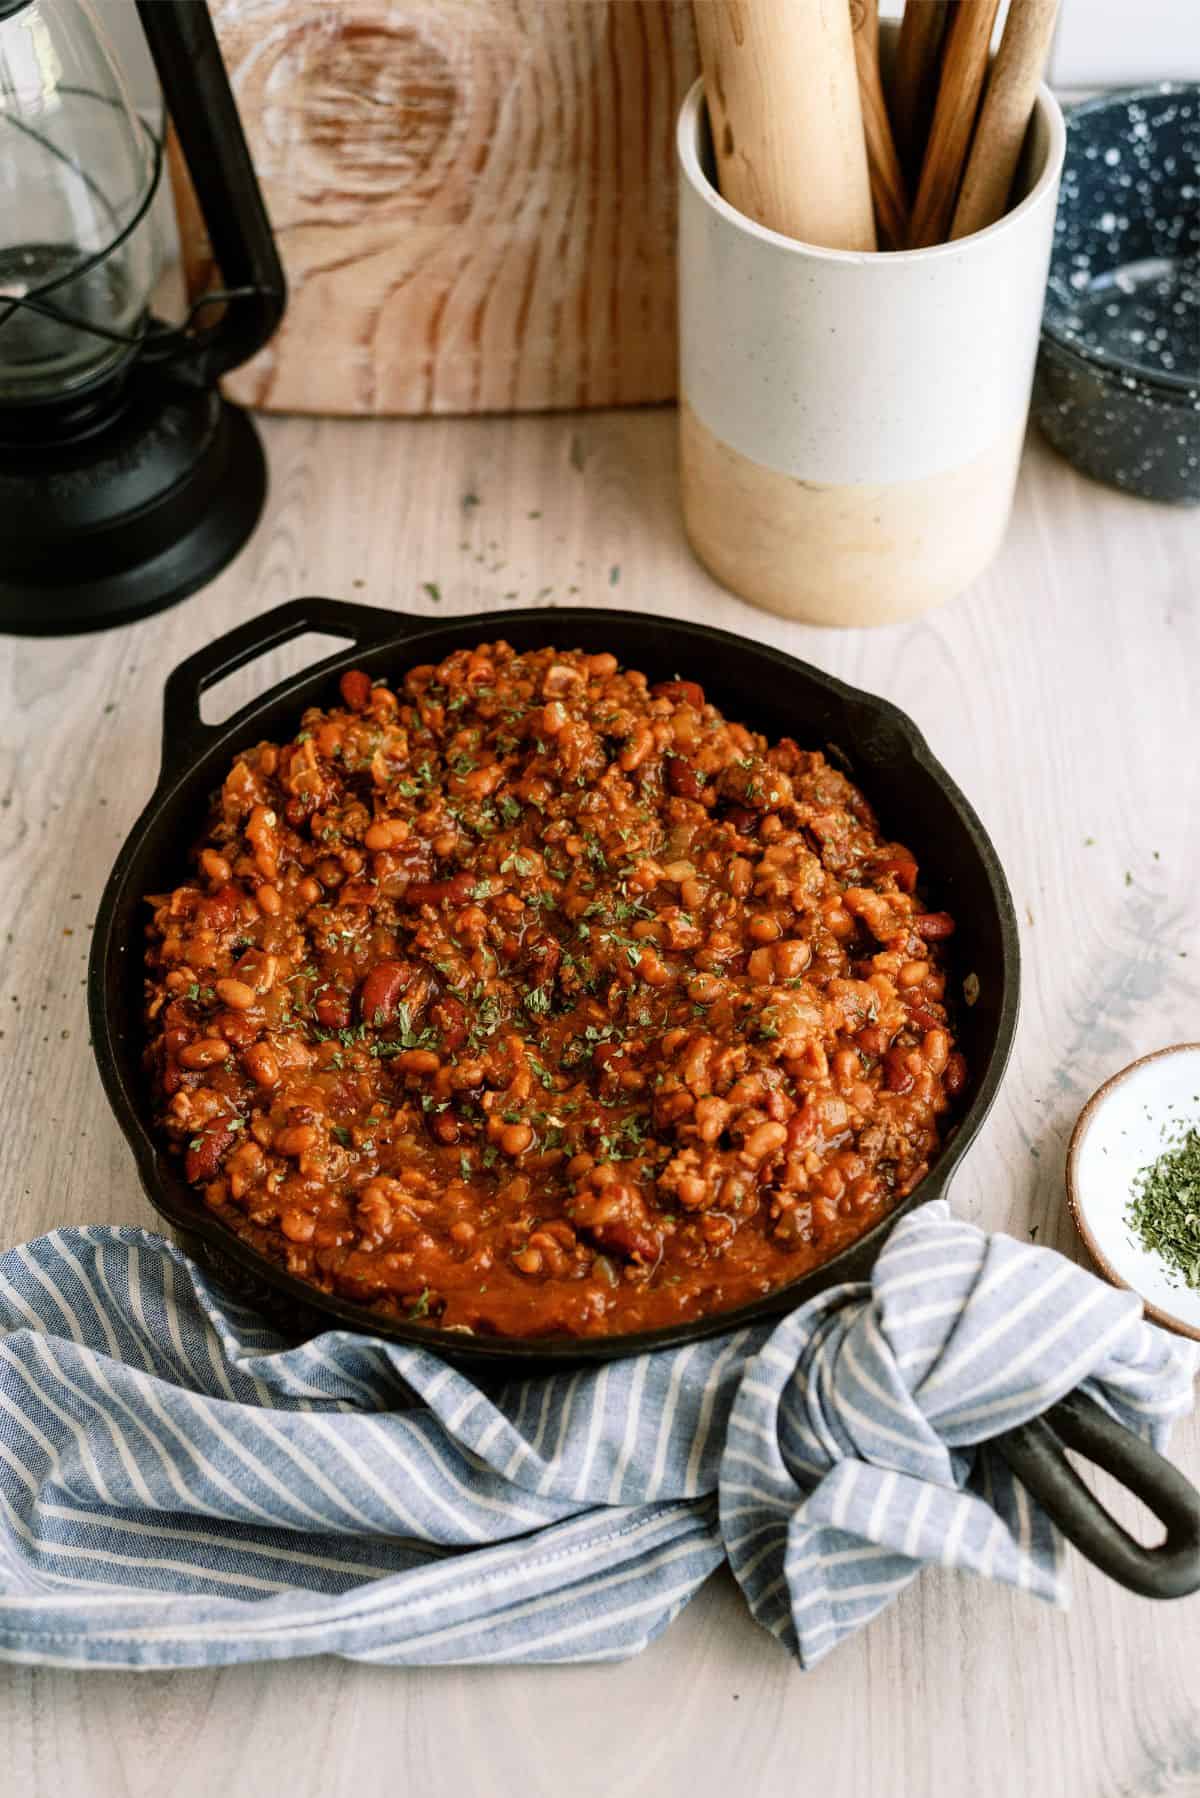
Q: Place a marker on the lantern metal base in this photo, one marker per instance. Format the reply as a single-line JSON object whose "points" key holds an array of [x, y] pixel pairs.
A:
{"points": [[130, 518]]}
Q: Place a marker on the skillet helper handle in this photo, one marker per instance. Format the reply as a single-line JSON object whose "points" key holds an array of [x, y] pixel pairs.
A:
{"points": [[1034, 1451], [186, 735]]}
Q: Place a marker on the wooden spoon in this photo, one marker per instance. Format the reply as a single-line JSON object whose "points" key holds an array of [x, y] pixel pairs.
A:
{"points": [[914, 84], [887, 180], [1004, 117], [782, 93], [964, 66]]}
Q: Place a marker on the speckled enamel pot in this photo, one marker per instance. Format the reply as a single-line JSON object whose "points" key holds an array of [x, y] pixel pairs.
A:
{"points": [[1118, 380]]}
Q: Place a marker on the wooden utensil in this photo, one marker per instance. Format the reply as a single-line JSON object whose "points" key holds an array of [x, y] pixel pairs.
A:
{"points": [[888, 190], [964, 66], [914, 84], [787, 127], [1004, 116]]}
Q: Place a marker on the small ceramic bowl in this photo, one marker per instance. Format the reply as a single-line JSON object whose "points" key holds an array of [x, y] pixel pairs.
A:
{"points": [[1118, 381], [1122, 1129]]}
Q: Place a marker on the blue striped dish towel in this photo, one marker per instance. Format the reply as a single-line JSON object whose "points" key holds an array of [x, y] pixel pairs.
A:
{"points": [[180, 1488]]}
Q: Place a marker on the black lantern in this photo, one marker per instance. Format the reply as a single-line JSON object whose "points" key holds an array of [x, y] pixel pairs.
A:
{"points": [[126, 480]]}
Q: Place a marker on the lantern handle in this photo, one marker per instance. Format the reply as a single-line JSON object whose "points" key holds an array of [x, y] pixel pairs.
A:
{"points": [[201, 105]]}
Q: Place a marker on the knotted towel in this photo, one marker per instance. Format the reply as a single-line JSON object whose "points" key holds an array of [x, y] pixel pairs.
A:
{"points": [[178, 1488]]}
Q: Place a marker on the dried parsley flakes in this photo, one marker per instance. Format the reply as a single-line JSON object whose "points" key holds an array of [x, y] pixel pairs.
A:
{"points": [[1164, 1210]]}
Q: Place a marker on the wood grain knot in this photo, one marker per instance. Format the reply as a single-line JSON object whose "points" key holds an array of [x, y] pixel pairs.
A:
{"points": [[378, 106]]}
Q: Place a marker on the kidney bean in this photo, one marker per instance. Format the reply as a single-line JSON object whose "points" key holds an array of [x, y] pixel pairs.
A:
{"points": [[449, 1017], [454, 891], [205, 1151], [801, 1127], [381, 990], [933, 926], [898, 1077], [923, 1018], [221, 909], [359, 892], [902, 870], [683, 778], [684, 692], [955, 1076], [744, 822], [333, 1009], [355, 687], [544, 953], [444, 1127]]}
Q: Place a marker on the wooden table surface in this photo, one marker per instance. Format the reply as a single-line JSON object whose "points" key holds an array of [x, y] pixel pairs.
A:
{"points": [[1062, 694]]}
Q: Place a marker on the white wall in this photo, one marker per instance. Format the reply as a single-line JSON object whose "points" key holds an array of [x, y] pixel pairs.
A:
{"points": [[1117, 43], [1100, 43]]}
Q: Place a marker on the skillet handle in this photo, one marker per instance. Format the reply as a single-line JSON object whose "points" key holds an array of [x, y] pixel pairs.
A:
{"points": [[1034, 1451], [185, 733]]}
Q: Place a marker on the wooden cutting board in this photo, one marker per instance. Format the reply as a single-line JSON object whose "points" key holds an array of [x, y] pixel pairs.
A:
{"points": [[474, 199]]}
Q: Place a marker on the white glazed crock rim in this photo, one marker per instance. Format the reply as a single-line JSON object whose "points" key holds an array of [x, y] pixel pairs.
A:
{"points": [[686, 138], [1077, 1206]]}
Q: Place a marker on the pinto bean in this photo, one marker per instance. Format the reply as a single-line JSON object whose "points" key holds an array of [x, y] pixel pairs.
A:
{"points": [[296, 1139], [204, 1053], [386, 833], [236, 994], [764, 1140], [261, 1064]]}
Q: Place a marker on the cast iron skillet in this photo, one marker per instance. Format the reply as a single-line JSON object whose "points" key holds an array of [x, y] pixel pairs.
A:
{"points": [[919, 804]]}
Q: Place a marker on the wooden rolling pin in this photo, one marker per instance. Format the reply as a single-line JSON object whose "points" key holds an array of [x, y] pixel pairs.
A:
{"points": [[914, 84], [887, 180], [964, 66], [1004, 117], [782, 92]]}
